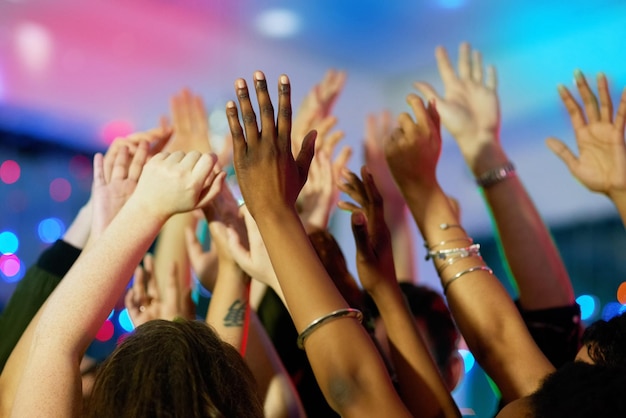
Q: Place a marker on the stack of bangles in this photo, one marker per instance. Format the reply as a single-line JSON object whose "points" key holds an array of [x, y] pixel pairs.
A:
{"points": [[340, 313], [450, 256]]}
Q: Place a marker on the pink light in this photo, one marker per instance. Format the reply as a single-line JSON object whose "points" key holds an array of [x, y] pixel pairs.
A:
{"points": [[80, 167], [116, 129], [106, 331], [10, 171], [60, 189], [10, 265]]}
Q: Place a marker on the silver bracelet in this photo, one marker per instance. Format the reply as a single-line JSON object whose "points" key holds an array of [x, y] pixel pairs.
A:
{"points": [[466, 239], [453, 260], [340, 313], [496, 175], [464, 272], [443, 254]]}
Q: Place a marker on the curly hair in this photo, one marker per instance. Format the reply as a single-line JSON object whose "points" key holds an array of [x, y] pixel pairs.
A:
{"points": [[606, 341]]}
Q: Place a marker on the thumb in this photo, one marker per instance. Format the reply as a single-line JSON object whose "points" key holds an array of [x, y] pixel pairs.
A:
{"points": [[305, 156], [427, 91], [561, 150]]}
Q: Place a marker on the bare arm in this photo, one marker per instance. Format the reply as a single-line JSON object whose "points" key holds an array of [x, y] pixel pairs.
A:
{"points": [[601, 163], [420, 384], [51, 381], [485, 315], [471, 112], [354, 382]]}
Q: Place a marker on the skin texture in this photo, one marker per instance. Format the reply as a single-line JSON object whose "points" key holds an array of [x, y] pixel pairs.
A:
{"points": [[168, 184], [470, 111], [354, 382], [484, 313], [420, 385], [601, 162]]}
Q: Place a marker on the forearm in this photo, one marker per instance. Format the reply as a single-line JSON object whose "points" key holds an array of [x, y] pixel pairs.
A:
{"points": [[347, 384], [77, 234], [281, 398], [484, 312], [544, 283], [76, 310], [171, 249], [415, 368], [403, 244], [229, 303]]}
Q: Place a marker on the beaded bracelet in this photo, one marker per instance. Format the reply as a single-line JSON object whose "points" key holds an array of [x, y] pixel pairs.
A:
{"points": [[464, 272], [340, 313]]}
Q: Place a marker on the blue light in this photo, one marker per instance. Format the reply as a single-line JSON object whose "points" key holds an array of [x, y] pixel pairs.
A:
{"points": [[451, 4], [50, 230], [468, 359], [125, 321], [111, 314], [8, 242], [588, 306], [611, 310]]}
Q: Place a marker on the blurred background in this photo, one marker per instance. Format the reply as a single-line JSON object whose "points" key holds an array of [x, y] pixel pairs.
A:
{"points": [[76, 74]]}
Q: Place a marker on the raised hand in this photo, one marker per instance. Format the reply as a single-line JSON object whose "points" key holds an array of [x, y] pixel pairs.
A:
{"points": [[413, 149], [254, 260], [178, 182], [268, 174], [157, 139], [143, 300], [377, 128], [203, 263], [317, 105], [373, 240], [601, 162], [114, 183], [316, 199], [469, 108]]}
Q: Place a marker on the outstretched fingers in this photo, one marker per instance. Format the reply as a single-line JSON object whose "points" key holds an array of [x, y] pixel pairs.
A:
{"points": [[573, 108], [589, 99], [606, 105], [247, 111], [283, 123], [563, 152]]}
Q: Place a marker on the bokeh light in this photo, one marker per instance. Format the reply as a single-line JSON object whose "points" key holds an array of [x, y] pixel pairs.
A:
{"points": [[106, 331], [621, 293], [589, 306], [9, 243], [125, 321], [81, 167], [60, 189], [278, 23], [468, 359], [10, 172], [50, 230], [116, 129], [11, 268], [611, 310]]}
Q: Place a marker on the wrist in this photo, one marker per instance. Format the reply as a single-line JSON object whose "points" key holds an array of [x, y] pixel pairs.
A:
{"points": [[488, 155]]}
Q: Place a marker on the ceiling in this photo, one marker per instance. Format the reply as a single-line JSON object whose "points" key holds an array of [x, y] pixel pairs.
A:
{"points": [[76, 72]]}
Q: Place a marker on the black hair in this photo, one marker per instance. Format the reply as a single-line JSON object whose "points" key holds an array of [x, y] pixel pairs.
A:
{"points": [[606, 341]]}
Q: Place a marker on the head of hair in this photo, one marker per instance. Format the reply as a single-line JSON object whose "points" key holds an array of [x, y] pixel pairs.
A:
{"points": [[174, 369], [429, 306], [606, 341], [580, 389]]}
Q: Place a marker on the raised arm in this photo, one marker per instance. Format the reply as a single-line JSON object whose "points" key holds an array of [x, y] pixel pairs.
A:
{"points": [[397, 216], [470, 110], [420, 385], [354, 381], [484, 312], [170, 184], [601, 162]]}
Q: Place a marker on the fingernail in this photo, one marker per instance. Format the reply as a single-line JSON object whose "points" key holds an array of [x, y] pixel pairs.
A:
{"points": [[578, 74], [284, 79], [359, 219], [258, 75], [561, 88], [241, 83], [230, 104]]}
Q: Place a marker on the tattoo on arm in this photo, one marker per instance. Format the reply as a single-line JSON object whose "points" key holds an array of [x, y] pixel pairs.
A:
{"points": [[236, 314]]}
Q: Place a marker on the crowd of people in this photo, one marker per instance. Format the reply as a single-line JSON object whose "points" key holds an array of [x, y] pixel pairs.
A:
{"points": [[290, 331]]}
